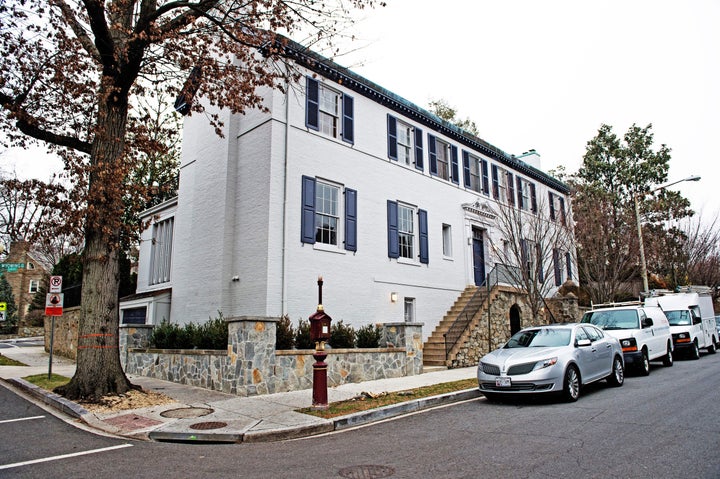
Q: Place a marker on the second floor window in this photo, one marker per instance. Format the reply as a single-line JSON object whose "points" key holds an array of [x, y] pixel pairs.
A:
{"points": [[34, 286], [475, 173], [443, 159], [329, 111], [557, 208], [404, 142], [161, 251], [503, 186]]}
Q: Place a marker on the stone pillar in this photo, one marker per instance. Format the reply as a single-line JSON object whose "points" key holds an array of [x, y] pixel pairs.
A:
{"points": [[251, 351], [409, 337], [132, 336]]}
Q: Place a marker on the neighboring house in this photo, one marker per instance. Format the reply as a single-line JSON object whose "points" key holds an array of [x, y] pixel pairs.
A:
{"points": [[393, 207], [25, 274]]}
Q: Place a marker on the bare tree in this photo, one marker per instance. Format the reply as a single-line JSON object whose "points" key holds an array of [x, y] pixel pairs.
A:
{"points": [[70, 71], [700, 259], [535, 248]]}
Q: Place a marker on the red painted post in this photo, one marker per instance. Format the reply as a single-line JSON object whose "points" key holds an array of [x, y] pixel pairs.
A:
{"points": [[320, 333]]}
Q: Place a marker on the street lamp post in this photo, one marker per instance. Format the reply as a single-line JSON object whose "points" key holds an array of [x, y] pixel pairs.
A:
{"points": [[643, 264]]}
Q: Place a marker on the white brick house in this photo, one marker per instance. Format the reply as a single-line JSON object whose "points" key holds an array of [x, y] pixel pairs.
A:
{"points": [[341, 179]]}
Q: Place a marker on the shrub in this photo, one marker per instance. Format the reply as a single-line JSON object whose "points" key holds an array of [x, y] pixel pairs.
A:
{"points": [[342, 335], [284, 334], [368, 336], [302, 336], [211, 335]]}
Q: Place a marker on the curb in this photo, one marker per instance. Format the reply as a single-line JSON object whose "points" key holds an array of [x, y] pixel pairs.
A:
{"points": [[323, 426], [51, 399]]}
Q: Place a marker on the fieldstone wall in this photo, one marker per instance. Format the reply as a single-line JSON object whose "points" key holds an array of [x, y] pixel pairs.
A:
{"points": [[66, 333], [502, 299], [252, 366]]}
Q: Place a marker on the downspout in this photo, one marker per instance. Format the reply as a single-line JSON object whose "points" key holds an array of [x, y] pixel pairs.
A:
{"points": [[283, 280]]}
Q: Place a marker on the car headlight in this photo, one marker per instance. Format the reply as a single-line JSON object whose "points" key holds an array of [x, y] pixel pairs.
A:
{"points": [[545, 363], [683, 335]]}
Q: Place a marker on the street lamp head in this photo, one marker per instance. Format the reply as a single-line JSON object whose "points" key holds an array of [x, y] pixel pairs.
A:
{"points": [[692, 178]]}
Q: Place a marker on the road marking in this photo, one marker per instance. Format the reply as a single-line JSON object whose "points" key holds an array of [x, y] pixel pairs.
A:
{"points": [[64, 456], [21, 419]]}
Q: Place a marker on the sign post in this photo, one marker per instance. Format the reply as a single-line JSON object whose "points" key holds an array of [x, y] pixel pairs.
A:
{"points": [[53, 307]]}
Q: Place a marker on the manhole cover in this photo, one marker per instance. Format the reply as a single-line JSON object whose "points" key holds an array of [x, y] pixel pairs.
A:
{"points": [[366, 472], [186, 412], [208, 425]]}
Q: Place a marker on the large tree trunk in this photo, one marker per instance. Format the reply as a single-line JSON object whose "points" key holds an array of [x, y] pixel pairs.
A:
{"points": [[99, 371]]}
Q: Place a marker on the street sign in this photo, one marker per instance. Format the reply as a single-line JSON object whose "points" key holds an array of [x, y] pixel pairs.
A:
{"points": [[11, 267], [3, 306], [3, 309], [2, 316], [55, 284], [54, 304]]}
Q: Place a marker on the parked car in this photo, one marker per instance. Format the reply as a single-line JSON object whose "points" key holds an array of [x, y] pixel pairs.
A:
{"points": [[558, 358], [643, 332], [692, 321]]}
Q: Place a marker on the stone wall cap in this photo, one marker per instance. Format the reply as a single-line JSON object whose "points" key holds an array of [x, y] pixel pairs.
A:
{"points": [[403, 323], [267, 319], [139, 326]]}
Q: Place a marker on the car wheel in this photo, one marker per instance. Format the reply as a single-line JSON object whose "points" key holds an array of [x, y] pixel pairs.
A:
{"points": [[644, 364], [695, 351], [571, 384], [668, 358], [712, 348], [617, 376]]}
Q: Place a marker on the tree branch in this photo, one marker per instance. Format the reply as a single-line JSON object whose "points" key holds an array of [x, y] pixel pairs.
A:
{"points": [[77, 29]]}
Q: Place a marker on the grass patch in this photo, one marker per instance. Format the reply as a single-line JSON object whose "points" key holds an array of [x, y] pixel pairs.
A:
{"points": [[42, 381], [5, 361], [363, 403]]}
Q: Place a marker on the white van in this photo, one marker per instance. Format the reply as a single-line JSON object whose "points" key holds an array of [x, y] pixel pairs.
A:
{"points": [[643, 332], [692, 320]]}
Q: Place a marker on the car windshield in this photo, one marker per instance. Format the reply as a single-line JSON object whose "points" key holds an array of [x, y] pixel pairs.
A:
{"points": [[678, 318], [539, 338], [616, 319]]}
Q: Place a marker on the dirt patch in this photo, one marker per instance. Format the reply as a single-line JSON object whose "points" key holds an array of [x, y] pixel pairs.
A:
{"points": [[133, 399]]}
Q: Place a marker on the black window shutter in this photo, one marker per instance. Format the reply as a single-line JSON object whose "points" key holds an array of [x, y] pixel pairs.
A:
{"points": [[392, 137], [562, 210], [568, 265], [419, 149], [432, 154], [312, 107], [533, 198], [423, 227], [511, 189], [485, 181], [350, 219], [466, 168], [521, 203], [308, 210], [348, 131], [556, 265], [454, 168], [495, 182], [392, 222], [552, 205]]}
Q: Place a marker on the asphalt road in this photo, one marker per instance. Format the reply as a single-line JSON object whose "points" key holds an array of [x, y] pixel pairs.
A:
{"points": [[664, 425]]}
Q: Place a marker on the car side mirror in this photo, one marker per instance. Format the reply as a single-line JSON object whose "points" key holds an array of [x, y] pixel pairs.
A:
{"points": [[581, 343], [646, 322]]}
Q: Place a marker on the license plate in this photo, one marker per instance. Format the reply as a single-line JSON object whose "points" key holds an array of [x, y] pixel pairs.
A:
{"points": [[503, 382]]}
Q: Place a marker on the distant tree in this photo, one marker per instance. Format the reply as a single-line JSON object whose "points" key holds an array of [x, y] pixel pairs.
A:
{"points": [[8, 326], [71, 70], [697, 260], [444, 111], [614, 172]]}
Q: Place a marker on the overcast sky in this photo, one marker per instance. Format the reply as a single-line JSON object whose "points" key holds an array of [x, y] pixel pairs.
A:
{"points": [[546, 74]]}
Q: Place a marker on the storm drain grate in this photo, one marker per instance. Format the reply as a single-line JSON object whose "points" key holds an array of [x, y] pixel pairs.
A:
{"points": [[208, 425], [186, 412], [366, 472]]}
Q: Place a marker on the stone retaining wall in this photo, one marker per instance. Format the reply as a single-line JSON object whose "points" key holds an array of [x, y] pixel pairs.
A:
{"points": [[65, 334], [252, 366]]}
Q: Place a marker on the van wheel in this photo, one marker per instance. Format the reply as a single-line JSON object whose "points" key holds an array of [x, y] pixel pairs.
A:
{"points": [[695, 351], [617, 376], [644, 364], [668, 358], [712, 348], [571, 384]]}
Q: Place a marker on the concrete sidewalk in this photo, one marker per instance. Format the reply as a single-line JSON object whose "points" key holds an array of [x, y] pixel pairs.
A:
{"points": [[201, 415]]}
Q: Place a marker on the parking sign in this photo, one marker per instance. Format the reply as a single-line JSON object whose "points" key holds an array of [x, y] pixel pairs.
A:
{"points": [[55, 284]]}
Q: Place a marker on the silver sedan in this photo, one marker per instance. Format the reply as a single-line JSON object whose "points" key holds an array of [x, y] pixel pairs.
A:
{"points": [[557, 358]]}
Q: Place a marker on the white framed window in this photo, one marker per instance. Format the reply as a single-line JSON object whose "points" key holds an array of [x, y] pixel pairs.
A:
{"points": [[161, 251], [329, 107], [443, 159], [34, 286], [327, 213], [405, 143], [30, 265], [447, 240], [409, 310], [406, 231], [557, 208], [474, 170]]}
